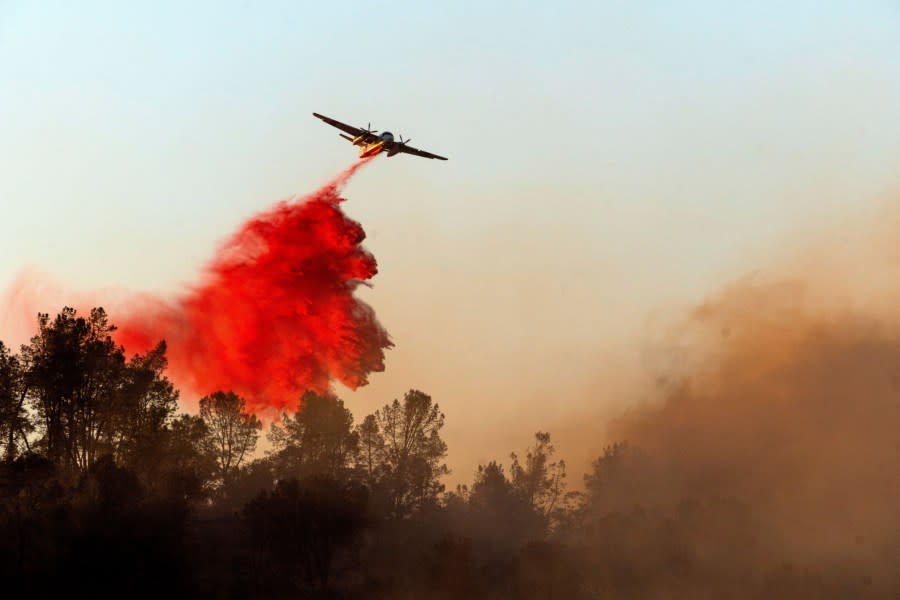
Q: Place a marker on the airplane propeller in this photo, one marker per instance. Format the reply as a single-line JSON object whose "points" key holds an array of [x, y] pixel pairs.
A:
{"points": [[404, 142], [368, 130]]}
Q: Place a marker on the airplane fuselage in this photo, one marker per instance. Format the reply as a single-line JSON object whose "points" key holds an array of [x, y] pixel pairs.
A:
{"points": [[385, 143]]}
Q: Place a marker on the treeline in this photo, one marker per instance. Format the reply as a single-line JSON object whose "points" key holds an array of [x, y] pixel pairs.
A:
{"points": [[106, 489]]}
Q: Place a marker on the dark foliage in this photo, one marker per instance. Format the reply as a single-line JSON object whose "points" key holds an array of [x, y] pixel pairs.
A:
{"points": [[106, 492]]}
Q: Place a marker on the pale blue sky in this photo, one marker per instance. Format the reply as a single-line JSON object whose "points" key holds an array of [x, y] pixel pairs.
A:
{"points": [[607, 159]]}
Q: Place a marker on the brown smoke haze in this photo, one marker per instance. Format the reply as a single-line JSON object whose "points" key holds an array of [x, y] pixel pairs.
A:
{"points": [[784, 396]]}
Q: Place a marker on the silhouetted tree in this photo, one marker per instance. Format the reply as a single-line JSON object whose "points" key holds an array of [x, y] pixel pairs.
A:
{"points": [[232, 433], [413, 452], [144, 406], [540, 482], [188, 467], [301, 527], [247, 482], [14, 425], [32, 520], [318, 440], [75, 376], [620, 479], [496, 516], [491, 489], [370, 458], [88, 399], [121, 538]]}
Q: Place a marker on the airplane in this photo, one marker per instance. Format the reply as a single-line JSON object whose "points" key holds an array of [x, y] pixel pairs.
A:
{"points": [[371, 143]]}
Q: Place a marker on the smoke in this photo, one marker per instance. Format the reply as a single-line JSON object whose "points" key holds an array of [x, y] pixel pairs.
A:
{"points": [[790, 403], [273, 313]]}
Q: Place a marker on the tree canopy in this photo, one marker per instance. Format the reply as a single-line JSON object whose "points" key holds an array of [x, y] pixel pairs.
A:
{"points": [[106, 488]]}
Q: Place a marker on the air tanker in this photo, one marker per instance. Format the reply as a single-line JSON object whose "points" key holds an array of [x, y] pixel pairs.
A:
{"points": [[372, 143]]}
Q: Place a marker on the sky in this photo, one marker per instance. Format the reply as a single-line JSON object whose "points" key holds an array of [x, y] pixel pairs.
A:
{"points": [[611, 165]]}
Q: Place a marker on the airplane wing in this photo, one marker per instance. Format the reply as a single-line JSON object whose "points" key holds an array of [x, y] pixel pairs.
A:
{"points": [[354, 131], [417, 152]]}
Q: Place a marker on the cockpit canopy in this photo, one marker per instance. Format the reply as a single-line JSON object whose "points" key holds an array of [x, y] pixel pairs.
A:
{"points": [[387, 136]]}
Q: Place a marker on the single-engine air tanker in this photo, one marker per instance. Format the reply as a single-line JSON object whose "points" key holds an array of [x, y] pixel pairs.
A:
{"points": [[371, 142]]}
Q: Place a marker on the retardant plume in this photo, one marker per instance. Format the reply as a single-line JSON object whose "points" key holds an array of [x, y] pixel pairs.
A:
{"points": [[274, 313]]}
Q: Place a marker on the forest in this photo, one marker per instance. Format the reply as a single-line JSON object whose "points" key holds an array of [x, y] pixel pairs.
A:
{"points": [[107, 488]]}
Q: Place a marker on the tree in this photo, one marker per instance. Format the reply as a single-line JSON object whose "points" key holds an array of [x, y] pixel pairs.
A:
{"points": [[370, 455], [32, 518], [74, 375], [145, 405], [135, 537], [491, 489], [232, 432], [188, 469], [89, 400], [540, 482], [301, 526], [318, 440], [13, 420], [246, 483], [498, 514], [413, 452], [623, 477]]}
